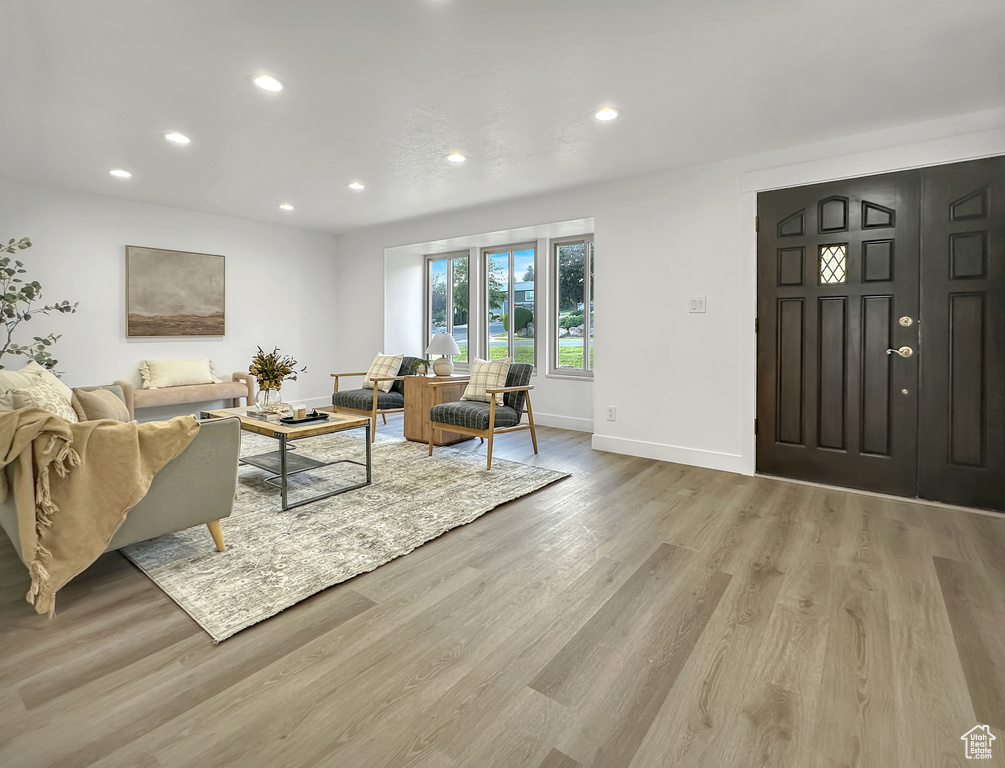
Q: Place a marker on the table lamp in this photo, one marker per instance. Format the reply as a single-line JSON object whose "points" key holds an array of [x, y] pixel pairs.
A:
{"points": [[443, 344]]}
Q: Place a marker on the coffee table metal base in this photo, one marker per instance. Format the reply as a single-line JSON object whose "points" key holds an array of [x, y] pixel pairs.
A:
{"points": [[283, 465]]}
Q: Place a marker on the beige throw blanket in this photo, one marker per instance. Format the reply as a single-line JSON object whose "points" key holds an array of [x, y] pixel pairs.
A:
{"points": [[74, 484]]}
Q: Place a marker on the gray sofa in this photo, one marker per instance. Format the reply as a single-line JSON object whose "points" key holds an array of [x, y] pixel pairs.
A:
{"points": [[196, 487]]}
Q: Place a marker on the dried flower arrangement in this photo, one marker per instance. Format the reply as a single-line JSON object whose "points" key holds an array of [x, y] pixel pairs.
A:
{"points": [[273, 368]]}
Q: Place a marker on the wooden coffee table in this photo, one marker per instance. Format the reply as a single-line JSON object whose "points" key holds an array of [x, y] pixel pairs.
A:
{"points": [[283, 464]]}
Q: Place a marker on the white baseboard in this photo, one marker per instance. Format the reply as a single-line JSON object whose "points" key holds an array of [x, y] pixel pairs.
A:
{"points": [[316, 402], [562, 422], [727, 462]]}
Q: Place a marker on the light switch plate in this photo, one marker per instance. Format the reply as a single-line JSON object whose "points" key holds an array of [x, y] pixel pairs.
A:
{"points": [[696, 304]]}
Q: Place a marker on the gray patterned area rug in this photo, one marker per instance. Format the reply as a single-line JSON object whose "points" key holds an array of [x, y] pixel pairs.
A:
{"points": [[275, 559]]}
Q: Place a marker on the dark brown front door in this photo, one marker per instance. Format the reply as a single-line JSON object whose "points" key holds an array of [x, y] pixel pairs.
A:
{"points": [[837, 268], [962, 417], [881, 351]]}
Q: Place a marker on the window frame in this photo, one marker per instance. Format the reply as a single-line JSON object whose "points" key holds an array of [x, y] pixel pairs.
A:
{"points": [[450, 257], [589, 295], [494, 250]]}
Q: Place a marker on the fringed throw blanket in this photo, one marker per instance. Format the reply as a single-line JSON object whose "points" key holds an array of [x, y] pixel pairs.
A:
{"points": [[73, 485]]}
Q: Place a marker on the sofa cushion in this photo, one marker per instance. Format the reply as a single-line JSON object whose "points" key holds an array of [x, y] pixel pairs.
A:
{"points": [[193, 393], [47, 396], [99, 404], [486, 375], [157, 374], [474, 415], [25, 378], [382, 366], [362, 399]]}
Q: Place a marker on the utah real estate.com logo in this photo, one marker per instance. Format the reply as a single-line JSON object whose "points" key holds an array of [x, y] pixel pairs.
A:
{"points": [[977, 742]]}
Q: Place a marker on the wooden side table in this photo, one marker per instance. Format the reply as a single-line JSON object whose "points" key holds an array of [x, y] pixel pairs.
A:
{"points": [[420, 397]]}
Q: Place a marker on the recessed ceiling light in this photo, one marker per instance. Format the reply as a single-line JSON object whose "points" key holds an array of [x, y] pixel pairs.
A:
{"points": [[268, 83], [177, 138], [120, 174], [456, 158], [357, 185], [286, 206], [607, 113]]}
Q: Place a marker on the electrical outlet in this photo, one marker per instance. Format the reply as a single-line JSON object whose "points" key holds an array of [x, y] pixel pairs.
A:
{"points": [[696, 304], [612, 413]]}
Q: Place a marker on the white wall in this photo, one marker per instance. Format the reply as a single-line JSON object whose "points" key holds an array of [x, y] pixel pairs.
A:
{"points": [[683, 384], [78, 253]]}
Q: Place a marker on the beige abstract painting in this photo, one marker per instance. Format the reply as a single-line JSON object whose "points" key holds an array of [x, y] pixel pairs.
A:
{"points": [[174, 293]]}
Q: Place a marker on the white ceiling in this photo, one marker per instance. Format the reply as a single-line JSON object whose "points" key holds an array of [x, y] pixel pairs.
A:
{"points": [[381, 90]]}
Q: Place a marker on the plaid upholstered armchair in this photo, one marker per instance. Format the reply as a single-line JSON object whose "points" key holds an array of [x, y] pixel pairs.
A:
{"points": [[370, 400], [485, 419]]}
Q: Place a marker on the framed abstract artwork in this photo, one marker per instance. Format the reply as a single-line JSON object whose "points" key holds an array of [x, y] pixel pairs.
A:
{"points": [[174, 293]]}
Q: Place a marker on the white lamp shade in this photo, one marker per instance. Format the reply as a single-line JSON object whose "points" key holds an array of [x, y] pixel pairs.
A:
{"points": [[442, 344]]}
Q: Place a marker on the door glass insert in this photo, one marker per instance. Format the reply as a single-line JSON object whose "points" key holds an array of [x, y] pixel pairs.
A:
{"points": [[833, 264]]}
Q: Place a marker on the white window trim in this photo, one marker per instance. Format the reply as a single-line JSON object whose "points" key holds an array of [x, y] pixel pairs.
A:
{"points": [[554, 370], [509, 249], [428, 302]]}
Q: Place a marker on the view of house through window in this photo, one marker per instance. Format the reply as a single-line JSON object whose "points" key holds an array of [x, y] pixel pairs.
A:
{"points": [[574, 305], [448, 307], [510, 326]]}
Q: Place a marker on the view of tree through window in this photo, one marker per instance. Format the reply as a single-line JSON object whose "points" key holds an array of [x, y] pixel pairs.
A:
{"points": [[448, 310], [574, 305], [510, 322]]}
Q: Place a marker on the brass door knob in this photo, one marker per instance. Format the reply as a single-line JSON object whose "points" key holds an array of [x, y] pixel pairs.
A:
{"points": [[904, 351]]}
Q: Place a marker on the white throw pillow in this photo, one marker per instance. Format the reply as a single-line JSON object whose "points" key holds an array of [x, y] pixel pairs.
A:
{"points": [[381, 367], [26, 378], [157, 374], [47, 396], [487, 375]]}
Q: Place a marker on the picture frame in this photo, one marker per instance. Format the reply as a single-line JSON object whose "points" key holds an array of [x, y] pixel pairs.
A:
{"points": [[174, 293]]}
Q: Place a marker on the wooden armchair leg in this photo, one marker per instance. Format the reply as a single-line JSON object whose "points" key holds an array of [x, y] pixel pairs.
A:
{"points": [[491, 432], [217, 533], [530, 418], [432, 434], [384, 417]]}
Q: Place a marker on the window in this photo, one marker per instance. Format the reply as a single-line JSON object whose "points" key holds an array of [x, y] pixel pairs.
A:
{"points": [[573, 331], [833, 264], [448, 309], [509, 290]]}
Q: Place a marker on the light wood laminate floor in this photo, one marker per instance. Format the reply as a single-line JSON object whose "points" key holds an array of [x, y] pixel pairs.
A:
{"points": [[636, 614]]}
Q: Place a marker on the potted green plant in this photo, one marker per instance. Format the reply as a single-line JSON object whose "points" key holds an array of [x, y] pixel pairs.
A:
{"points": [[17, 298], [422, 366]]}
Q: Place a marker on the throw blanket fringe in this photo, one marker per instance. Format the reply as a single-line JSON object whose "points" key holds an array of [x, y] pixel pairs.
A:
{"points": [[65, 459]]}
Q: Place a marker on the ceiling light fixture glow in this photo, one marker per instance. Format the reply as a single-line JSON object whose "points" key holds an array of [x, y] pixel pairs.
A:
{"points": [[455, 157], [286, 206], [268, 83], [177, 138], [120, 174], [356, 185], [607, 114]]}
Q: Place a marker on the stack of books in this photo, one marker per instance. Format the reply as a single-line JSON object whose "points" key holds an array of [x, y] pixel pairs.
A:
{"points": [[264, 415]]}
